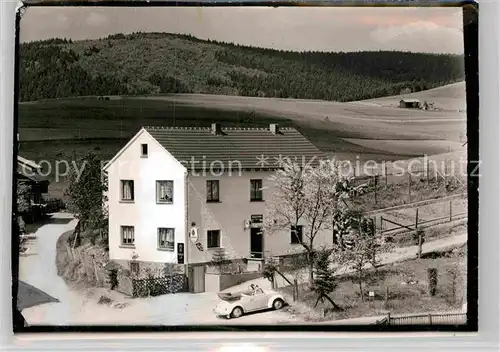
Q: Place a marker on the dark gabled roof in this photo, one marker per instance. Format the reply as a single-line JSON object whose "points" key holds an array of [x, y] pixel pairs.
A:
{"points": [[24, 171], [254, 148], [27, 163]]}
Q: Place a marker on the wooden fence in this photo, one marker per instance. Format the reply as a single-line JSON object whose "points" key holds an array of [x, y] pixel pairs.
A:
{"points": [[159, 285], [425, 319], [451, 213], [413, 184]]}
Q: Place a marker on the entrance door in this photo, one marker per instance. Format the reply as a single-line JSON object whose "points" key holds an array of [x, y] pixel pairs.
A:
{"points": [[256, 243]]}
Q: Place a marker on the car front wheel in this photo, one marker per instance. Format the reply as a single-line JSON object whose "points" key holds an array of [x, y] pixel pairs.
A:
{"points": [[278, 304], [237, 312]]}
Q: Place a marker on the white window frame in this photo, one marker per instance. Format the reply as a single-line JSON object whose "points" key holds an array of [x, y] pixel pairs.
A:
{"points": [[158, 188], [162, 234], [129, 236], [122, 186]]}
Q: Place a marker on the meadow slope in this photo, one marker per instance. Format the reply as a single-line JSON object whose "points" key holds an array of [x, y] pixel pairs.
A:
{"points": [[450, 98], [67, 128]]}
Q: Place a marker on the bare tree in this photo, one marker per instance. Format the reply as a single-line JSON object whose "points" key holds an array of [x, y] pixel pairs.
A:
{"points": [[306, 196]]}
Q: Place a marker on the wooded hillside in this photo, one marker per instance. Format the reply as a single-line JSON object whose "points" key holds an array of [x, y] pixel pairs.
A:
{"points": [[156, 63]]}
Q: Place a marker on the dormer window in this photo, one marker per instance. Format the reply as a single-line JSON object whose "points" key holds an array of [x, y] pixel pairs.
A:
{"points": [[144, 150]]}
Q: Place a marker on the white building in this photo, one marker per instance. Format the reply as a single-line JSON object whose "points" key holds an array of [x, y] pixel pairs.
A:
{"points": [[192, 190]]}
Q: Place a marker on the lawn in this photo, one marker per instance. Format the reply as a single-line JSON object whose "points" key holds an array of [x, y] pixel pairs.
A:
{"points": [[407, 286], [428, 212]]}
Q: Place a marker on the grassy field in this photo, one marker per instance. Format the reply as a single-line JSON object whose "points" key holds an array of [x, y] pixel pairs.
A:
{"points": [[429, 211], [61, 122], [395, 194], [348, 120], [448, 98], [66, 129], [407, 284]]}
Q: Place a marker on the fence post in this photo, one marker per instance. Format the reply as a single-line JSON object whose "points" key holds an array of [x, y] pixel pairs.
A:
{"points": [[386, 298], [445, 175], [295, 290], [430, 319], [427, 170], [451, 213], [409, 187], [385, 170], [419, 244], [95, 267], [388, 318], [416, 219]]}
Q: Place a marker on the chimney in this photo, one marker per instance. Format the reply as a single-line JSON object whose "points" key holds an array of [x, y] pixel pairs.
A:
{"points": [[275, 128], [216, 128]]}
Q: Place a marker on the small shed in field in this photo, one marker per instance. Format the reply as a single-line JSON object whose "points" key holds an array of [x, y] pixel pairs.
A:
{"points": [[409, 103]]}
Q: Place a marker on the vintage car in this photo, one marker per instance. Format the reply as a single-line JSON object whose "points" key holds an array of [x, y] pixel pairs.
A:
{"points": [[234, 305]]}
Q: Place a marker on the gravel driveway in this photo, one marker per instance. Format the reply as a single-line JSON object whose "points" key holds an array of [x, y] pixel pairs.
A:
{"points": [[38, 268]]}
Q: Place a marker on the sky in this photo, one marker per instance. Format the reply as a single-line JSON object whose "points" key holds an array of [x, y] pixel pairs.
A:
{"points": [[433, 30]]}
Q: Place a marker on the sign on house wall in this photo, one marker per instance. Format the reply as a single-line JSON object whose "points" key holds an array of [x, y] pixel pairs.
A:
{"points": [[180, 253], [193, 234]]}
